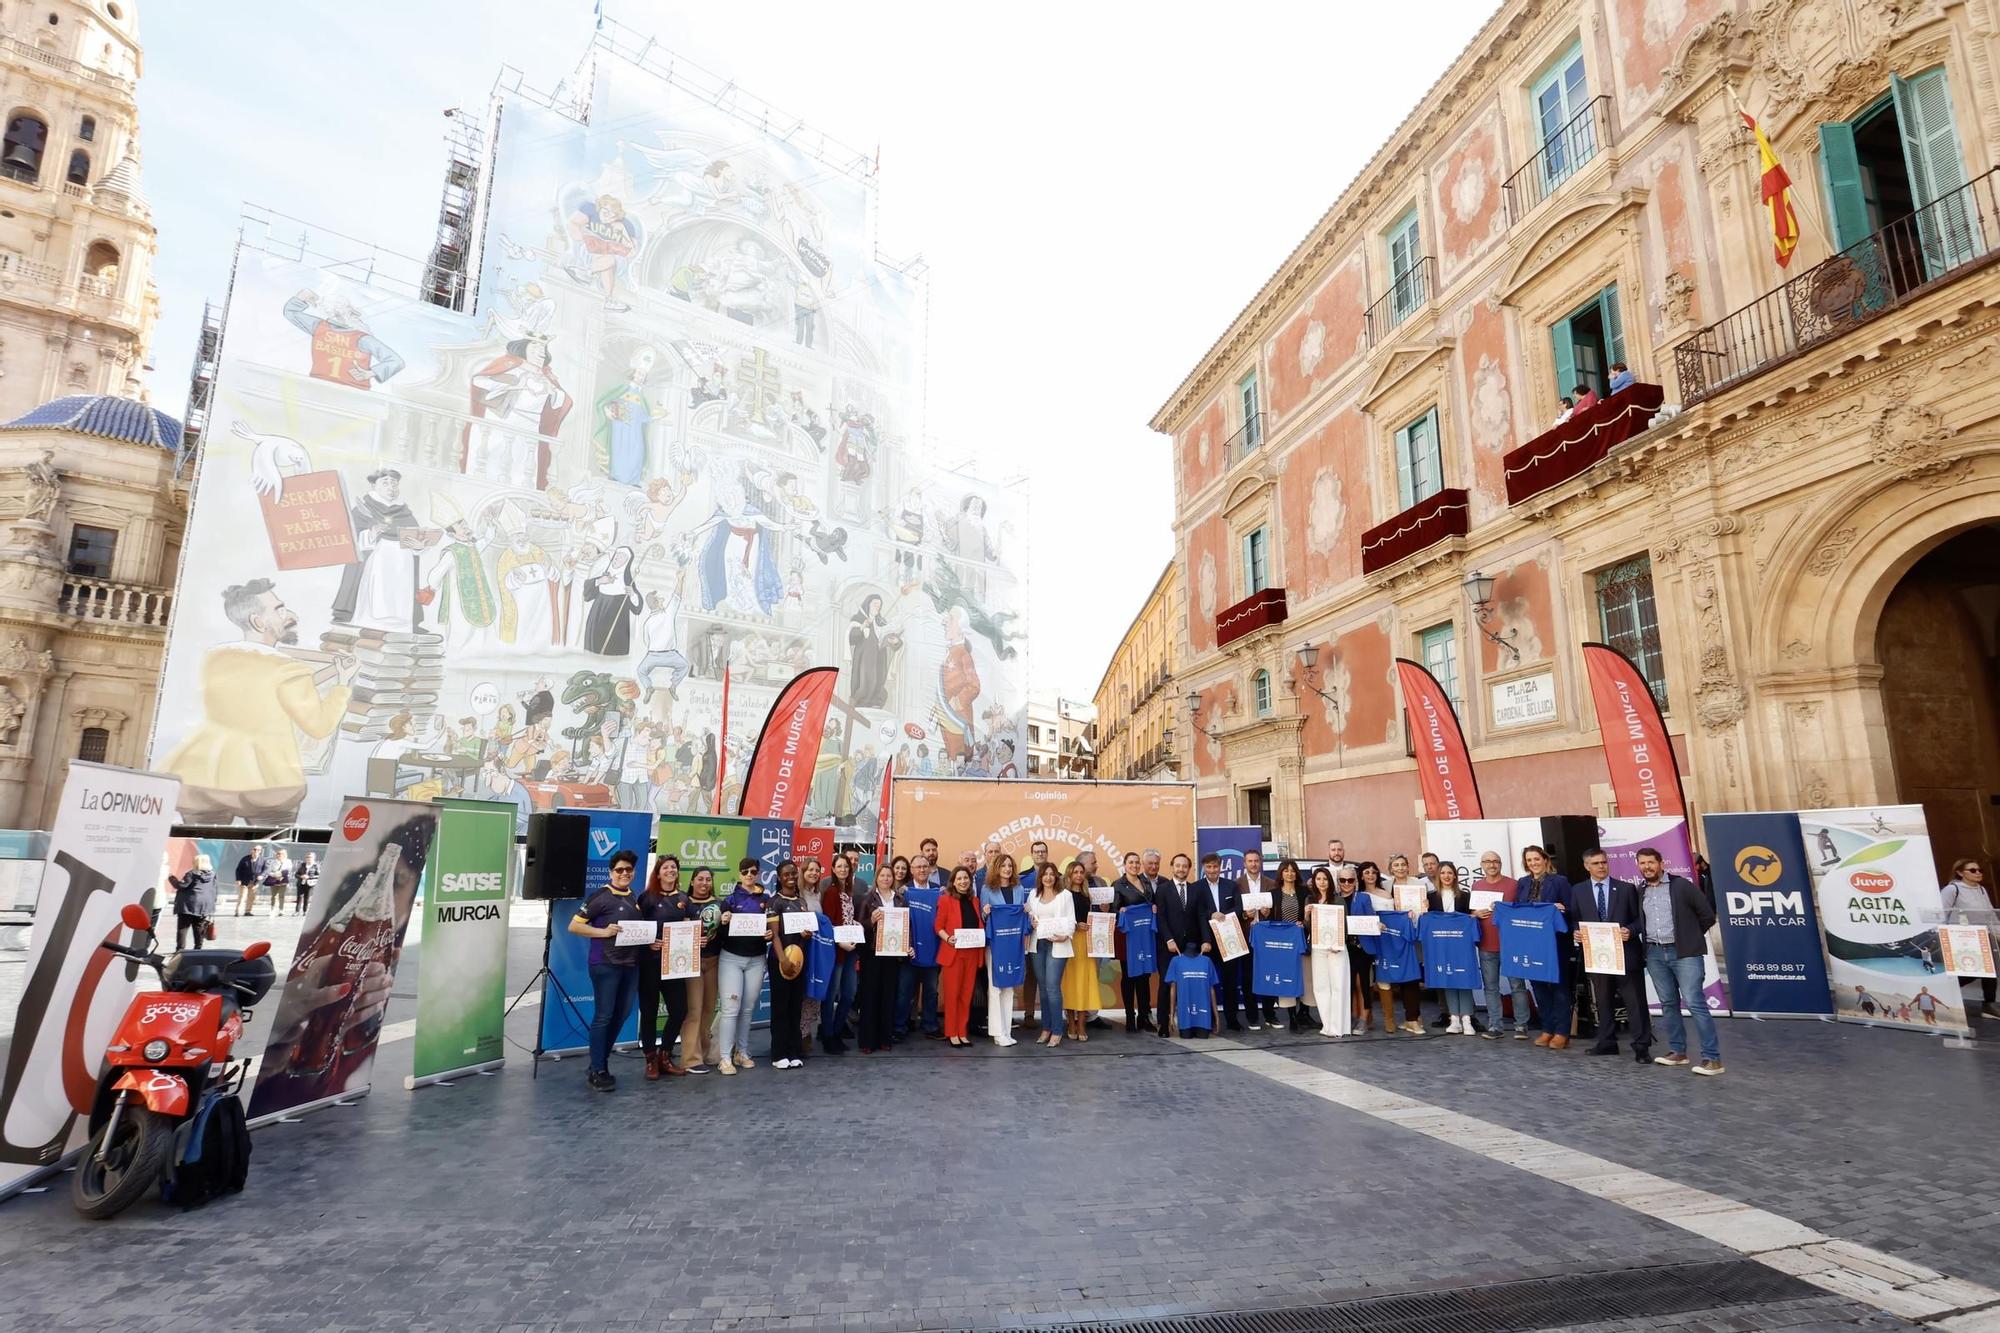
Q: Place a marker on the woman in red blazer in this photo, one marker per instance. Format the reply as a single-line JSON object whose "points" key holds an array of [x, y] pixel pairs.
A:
{"points": [[958, 968]]}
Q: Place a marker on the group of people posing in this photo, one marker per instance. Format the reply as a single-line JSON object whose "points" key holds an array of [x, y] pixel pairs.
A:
{"points": [[1050, 946]]}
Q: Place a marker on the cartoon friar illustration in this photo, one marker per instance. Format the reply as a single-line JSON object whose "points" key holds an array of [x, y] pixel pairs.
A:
{"points": [[737, 564], [606, 238], [623, 417], [242, 761], [958, 688], [344, 351], [458, 589], [518, 406], [379, 590]]}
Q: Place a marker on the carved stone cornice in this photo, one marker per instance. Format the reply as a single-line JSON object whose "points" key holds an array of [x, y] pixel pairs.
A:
{"points": [[1265, 736]]}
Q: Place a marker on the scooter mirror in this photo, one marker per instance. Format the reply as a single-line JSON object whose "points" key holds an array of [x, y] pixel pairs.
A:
{"points": [[257, 950], [136, 917]]}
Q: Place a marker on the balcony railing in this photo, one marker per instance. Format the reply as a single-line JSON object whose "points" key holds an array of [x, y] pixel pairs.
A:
{"points": [[1407, 294], [1561, 452], [106, 602], [1245, 441], [1424, 523], [1587, 133], [75, 68], [1260, 609], [20, 268], [1937, 243]]}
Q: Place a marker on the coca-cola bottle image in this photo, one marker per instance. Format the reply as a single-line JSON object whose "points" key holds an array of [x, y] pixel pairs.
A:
{"points": [[361, 930]]}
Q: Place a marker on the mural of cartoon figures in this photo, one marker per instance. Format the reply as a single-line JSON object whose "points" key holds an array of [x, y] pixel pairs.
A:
{"points": [[623, 418], [746, 286], [533, 312], [527, 594], [805, 313], [869, 651], [605, 240], [958, 688], [343, 349], [854, 454], [462, 599], [380, 590], [738, 566], [519, 406], [242, 760], [613, 599], [661, 635]]}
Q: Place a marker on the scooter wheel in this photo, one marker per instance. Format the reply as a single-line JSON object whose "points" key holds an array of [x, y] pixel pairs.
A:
{"points": [[133, 1163]]}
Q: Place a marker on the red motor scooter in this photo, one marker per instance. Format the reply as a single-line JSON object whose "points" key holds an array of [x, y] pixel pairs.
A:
{"points": [[166, 1109]]}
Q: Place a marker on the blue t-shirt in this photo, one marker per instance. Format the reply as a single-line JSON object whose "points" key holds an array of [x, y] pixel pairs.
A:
{"points": [[1139, 928], [821, 960], [1528, 945], [1006, 945], [1451, 950], [923, 926], [1277, 954], [1396, 959], [1193, 978]]}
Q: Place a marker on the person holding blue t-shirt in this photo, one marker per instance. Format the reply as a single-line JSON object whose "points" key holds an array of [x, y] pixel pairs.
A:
{"points": [[920, 970], [1542, 886], [999, 886], [1395, 964], [1193, 978], [1054, 914], [1450, 938]]}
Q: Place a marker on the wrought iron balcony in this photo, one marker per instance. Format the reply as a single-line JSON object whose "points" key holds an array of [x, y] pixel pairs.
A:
{"points": [[1248, 437], [106, 602], [1259, 610], [1938, 243], [1587, 133], [1408, 293]]}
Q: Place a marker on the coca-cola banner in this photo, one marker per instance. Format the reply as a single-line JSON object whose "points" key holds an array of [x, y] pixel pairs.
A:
{"points": [[462, 988], [330, 1016], [1444, 765], [1644, 775], [105, 849]]}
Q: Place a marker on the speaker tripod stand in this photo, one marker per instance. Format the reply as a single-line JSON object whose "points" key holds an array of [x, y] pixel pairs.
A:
{"points": [[545, 972]]}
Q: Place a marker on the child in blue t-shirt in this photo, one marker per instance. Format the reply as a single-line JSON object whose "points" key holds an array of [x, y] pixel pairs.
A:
{"points": [[1193, 977]]}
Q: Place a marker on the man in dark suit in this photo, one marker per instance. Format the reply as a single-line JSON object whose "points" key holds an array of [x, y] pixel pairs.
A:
{"points": [[1674, 922], [1599, 897], [1236, 972], [1183, 909]]}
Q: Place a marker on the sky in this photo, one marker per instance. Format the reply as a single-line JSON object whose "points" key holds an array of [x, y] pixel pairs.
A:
{"points": [[1097, 196]]}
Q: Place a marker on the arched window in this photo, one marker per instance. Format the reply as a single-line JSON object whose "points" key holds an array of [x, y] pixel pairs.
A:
{"points": [[101, 260], [21, 149], [79, 168], [1260, 690], [87, 131], [93, 745]]}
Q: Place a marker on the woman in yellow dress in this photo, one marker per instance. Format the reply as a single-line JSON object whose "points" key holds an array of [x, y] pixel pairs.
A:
{"points": [[1083, 995]]}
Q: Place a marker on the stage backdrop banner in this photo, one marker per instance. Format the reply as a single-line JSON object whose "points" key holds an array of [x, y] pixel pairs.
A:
{"points": [[462, 983], [563, 1029], [1645, 777], [1621, 840], [105, 850], [1463, 841], [1444, 765], [1764, 905], [1109, 818], [1228, 841], [329, 1018], [1880, 904]]}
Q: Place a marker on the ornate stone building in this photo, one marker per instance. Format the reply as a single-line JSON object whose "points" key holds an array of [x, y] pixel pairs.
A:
{"points": [[1800, 547], [90, 516], [1135, 700]]}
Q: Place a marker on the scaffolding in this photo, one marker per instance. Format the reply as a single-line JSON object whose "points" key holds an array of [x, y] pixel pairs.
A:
{"points": [[201, 383], [446, 279]]}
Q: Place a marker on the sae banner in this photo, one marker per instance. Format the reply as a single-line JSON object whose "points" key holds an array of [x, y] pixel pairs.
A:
{"points": [[566, 1026], [462, 965], [1764, 903], [1228, 842]]}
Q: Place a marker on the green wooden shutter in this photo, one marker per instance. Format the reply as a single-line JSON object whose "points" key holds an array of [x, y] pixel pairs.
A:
{"points": [[1614, 329], [1846, 201], [1427, 470], [1945, 224], [1565, 356], [1405, 482]]}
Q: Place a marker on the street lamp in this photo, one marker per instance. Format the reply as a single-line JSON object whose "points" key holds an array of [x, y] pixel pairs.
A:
{"points": [[1479, 591], [1308, 659], [1193, 701]]}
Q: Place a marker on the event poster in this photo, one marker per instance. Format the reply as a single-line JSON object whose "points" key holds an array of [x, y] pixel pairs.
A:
{"points": [[462, 975], [1603, 951], [1621, 839], [329, 1017], [1880, 905], [1103, 935], [1229, 941], [1764, 906], [104, 852], [680, 951], [892, 933], [1329, 927], [1229, 842], [566, 1026], [1967, 950]]}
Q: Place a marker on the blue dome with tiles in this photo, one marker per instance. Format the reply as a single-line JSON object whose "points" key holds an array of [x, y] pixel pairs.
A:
{"points": [[105, 417]]}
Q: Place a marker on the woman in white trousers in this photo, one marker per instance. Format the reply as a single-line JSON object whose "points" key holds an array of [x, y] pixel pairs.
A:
{"points": [[1329, 978]]}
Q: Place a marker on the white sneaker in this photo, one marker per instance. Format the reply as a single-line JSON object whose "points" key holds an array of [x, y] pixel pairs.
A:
{"points": [[1360, 1030]]}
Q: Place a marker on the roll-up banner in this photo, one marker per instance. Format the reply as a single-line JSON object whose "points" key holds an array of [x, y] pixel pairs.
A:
{"points": [[104, 852], [1228, 841], [566, 1025], [462, 967], [1622, 840], [1463, 841], [1645, 777], [1444, 765], [1765, 906], [717, 842], [329, 1018], [780, 775]]}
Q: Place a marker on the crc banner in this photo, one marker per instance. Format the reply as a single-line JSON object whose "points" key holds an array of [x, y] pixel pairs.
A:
{"points": [[104, 852], [566, 1026], [1444, 765], [715, 841], [462, 986], [1880, 904], [1764, 905], [1109, 818], [1228, 841], [1644, 775], [329, 1019], [780, 775]]}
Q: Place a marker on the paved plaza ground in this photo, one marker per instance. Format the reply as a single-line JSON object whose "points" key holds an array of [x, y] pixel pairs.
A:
{"points": [[1836, 1177]]}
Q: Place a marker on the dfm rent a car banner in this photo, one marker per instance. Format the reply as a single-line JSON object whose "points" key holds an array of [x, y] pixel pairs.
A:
{"points": [[1764, 904]]}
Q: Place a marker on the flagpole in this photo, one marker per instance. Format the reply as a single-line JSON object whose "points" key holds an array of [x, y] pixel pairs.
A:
{"points": [[1799, 206]]}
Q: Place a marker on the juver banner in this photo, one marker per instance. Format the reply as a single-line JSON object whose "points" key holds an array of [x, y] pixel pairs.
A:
{"points": [[1764, 903], [330, 1016], [1644, 775], [566, 1026], [780, 775], [1444, 766], [104, 852], [462, 989], [1879, 899], [1109, 818]]}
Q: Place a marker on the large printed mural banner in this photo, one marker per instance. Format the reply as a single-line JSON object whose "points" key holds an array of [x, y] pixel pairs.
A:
{"points": [[512, 555]]}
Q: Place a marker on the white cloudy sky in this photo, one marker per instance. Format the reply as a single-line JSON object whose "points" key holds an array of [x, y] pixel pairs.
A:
{"points": [[1098, 188]]}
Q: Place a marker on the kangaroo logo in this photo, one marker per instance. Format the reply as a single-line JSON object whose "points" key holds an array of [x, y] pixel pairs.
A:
{"points": [[1759, 866]]}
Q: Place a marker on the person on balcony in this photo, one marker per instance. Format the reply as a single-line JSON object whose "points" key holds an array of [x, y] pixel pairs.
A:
{"points": [[1621, 378], [1586, 398], [1569, 406]]}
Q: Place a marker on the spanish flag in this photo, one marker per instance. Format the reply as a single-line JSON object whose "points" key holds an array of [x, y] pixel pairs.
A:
{"points": [[1777, 191]]}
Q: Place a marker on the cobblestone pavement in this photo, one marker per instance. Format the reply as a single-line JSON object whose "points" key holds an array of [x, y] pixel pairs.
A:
{"points": [[1126, 1178]]}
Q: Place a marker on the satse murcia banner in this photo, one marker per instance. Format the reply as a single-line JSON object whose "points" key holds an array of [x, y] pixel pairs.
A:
{"points": [[462, 989]]}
